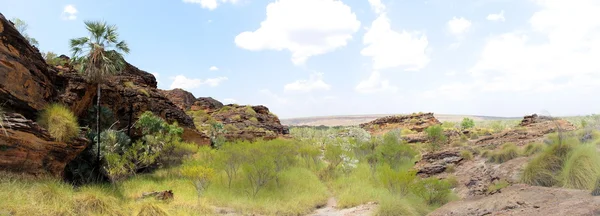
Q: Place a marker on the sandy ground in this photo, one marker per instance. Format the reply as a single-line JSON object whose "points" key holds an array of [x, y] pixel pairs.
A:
{"points": [[331, 210]]}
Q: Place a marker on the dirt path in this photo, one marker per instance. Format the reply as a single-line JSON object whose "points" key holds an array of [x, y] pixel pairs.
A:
{"points": [[331, 210]]}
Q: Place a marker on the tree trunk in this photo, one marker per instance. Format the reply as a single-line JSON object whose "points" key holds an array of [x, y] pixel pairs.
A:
{"points": [[98, 123]]}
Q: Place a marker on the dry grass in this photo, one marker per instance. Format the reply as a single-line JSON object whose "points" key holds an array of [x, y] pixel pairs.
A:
{"points": [[60, 122]]}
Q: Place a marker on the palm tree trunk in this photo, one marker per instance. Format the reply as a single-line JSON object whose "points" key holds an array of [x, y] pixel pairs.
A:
{"points": [[98, 123]]}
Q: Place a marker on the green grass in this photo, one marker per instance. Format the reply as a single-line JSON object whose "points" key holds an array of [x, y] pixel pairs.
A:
{"points": [[60, 122], [466, 154], [357, 188], [533, 148], [582, 168], [544, 169], [508, 152], [497, 186]]}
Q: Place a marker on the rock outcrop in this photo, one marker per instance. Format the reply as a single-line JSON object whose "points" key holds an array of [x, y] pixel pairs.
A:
{"points": [[186, 100], [526, 200], [26, 87], [26, 83], [127, 94], [28, 148], [415, 122], [532, 129], [241, 122]]}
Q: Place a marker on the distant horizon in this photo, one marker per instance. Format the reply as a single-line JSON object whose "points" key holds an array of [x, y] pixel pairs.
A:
{"points": [[370, 115]]}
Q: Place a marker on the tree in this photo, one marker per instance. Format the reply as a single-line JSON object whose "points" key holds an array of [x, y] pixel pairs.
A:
{"points": [[467, 123], [99, 56], [21, 26]]}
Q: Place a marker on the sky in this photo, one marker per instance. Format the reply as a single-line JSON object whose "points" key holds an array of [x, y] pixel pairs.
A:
{"points": [[329, 57]]}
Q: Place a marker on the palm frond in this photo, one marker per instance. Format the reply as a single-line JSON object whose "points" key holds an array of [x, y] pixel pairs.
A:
{"points": [[122, 46], [97, 30]]}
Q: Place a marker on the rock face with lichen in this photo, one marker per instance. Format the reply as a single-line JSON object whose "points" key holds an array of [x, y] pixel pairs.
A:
{"points": [[240, 122], [415, 122]]}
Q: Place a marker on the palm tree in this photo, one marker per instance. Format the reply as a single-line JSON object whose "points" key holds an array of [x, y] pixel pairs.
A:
{"points": [[98, 57]]}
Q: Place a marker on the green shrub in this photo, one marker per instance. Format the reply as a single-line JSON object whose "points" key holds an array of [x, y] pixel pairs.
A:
{"points": [[582, 168], [466, 154], [60, 122], [508, 152], [200, 176], [393, 152], [53, 59], [433, 191], [253, 119], [467, 123], [236, 118], [533, 148], [450, 168], [397, 182], [436, 137]]}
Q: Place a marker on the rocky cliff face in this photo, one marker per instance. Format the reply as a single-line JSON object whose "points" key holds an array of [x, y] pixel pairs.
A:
{"points": [[28, 84], [241, 122], [26, 87], [414, 122]]}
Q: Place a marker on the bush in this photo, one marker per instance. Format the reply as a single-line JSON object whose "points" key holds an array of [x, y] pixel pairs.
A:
{"points": [[394, 153], [582, 168], [432, 190], [60, 122], [249, 111], [436, 137], [200, 176], [450, 168], [397, 182], [467, 123], [466, 154], [53, 59], [508, 152]]}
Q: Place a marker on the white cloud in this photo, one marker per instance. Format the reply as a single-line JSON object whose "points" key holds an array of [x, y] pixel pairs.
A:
{"points": [[229, 101], [315, 82], [374, 84], [183, 82], [304, 27], [210, 4], [69, 13], [453, 91], [459, 26], [515, 62], [213, 68], [451, 73], [496, 17], [377, 6], [273, 96], [389, 48]]}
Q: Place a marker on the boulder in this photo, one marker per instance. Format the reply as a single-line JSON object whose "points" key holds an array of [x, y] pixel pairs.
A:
{"points": [[28, 148]]}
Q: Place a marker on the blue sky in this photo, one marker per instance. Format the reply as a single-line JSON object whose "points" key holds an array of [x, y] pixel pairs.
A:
{"points": [[332, 57]]}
